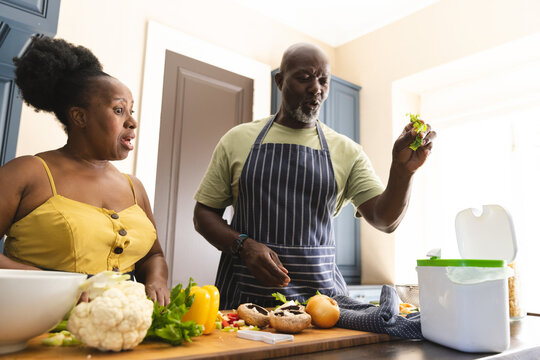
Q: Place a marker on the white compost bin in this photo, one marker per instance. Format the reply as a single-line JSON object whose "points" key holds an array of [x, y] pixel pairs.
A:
{"points": [[464, 302]]}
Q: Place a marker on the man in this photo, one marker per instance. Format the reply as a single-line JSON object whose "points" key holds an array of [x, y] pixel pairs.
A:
{"points": [[286, 177]]}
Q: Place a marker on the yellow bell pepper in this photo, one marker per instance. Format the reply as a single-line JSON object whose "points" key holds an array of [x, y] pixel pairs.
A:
{"points": [[204, 308], [210, 324]]}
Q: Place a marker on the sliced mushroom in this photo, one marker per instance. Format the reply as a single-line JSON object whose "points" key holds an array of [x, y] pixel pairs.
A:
{"points": [[253, 314], [291, 305], [290, 319]]}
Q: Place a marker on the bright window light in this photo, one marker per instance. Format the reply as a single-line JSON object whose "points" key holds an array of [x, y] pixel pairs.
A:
{"points": [[477, 161], [487, 152]]}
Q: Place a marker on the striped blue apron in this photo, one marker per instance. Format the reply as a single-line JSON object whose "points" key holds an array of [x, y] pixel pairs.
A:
{"points": [[286, 200]]}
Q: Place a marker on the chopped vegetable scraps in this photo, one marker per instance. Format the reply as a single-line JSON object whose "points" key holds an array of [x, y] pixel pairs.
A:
{"points": [[232, 322], [283, 299], [419, 126], [280, 297], [406, 309], [105, 280], [61, 326], [61, 338]]}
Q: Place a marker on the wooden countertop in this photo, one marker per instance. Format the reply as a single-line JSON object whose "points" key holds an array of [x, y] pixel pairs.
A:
{"points": [[311, 344], [217, 345]]}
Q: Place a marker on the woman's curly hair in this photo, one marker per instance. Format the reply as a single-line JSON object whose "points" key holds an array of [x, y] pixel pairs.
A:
{"points": [[54, 75]]}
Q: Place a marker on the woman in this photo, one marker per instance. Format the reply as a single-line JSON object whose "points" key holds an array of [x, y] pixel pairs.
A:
{"points": [[70, 209]]}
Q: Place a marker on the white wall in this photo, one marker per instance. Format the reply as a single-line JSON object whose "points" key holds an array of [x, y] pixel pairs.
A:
{"points": [[441, 33], [116, 32]]}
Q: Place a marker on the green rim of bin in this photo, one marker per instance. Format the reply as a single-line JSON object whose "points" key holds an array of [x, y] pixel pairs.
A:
{"points": [[461, 262]]}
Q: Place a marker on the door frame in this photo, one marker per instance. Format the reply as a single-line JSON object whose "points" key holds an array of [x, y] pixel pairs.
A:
{"points": [[161, 38]]}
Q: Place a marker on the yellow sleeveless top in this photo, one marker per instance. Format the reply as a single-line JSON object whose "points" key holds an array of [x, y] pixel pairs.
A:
{"points": [[68, 235]]}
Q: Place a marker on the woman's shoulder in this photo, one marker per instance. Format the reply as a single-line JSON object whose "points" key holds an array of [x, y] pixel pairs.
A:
{"points": [[26, 164], [140, 193], [22, 173], [137, 184]]}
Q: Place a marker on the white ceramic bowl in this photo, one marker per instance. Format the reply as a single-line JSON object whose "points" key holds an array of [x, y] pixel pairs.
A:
{"points": [[33, 302]]}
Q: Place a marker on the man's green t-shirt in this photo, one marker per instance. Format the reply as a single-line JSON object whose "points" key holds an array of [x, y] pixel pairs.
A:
{"points": [[355, 178]]}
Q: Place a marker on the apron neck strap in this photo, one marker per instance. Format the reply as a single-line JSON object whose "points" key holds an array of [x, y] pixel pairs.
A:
{"points": [[264, 131]]}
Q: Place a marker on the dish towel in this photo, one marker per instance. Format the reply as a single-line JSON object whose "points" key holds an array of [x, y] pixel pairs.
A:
{"points": [[384, 318]]}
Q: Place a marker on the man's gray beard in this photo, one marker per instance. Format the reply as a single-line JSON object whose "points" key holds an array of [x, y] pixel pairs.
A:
{"points": [[299, 115]]}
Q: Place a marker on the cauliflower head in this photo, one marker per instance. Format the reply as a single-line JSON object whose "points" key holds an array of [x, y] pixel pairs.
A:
{"points": [[116, 320]]}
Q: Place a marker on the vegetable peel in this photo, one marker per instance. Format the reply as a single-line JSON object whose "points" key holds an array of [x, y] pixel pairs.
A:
{"points": [[419, 127], [99, 283], [280, 297], [61, 338]]}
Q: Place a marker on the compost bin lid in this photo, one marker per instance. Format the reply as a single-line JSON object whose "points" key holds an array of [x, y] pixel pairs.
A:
{"points": [[486, 234]]}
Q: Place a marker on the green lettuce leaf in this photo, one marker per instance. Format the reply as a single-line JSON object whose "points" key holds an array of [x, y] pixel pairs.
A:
{"points": [[419, 126], [167, 324]]}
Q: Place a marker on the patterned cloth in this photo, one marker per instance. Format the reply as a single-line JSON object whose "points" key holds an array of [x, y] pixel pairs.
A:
{"points": [[384, 318]]}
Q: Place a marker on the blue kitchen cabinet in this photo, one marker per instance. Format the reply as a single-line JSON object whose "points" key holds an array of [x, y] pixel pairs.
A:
{"points": [[20, 20], [341, 112]]}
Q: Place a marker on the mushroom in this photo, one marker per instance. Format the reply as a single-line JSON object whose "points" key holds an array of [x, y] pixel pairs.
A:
{"points": [[290, 318], [253, 314]]}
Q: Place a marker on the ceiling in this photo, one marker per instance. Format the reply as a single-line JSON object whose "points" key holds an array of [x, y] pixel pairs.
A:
{"points": [[336, 22]]}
